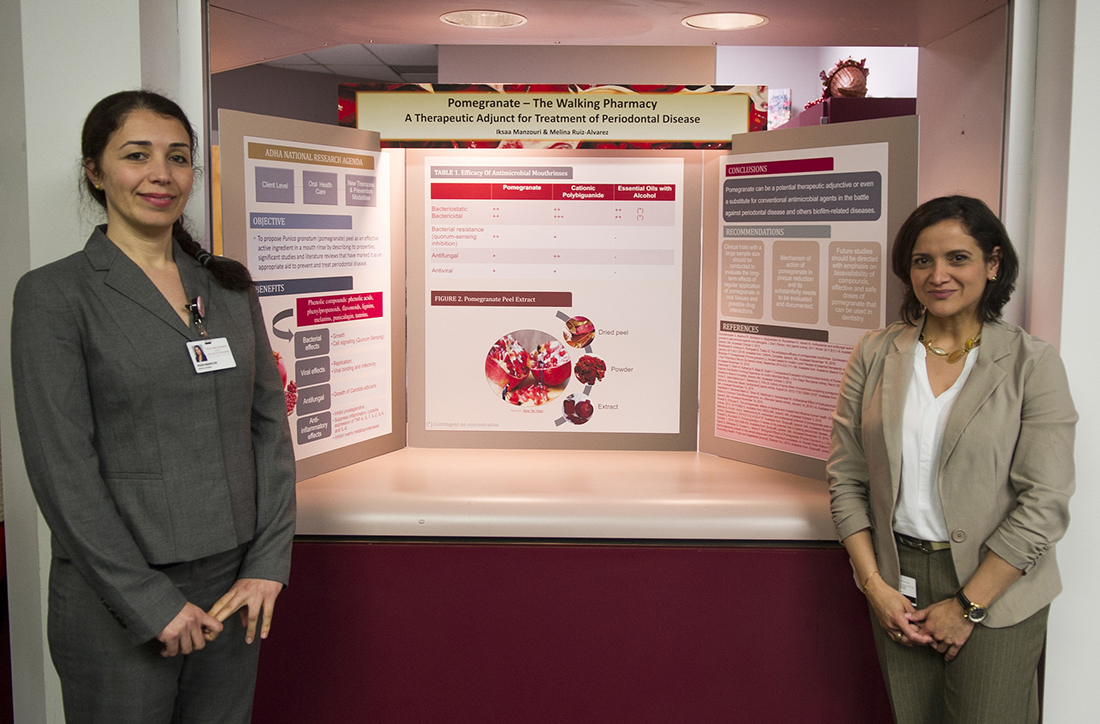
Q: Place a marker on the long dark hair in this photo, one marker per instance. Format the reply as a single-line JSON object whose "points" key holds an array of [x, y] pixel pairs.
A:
{"points": [[980, 223], [103, 120]]}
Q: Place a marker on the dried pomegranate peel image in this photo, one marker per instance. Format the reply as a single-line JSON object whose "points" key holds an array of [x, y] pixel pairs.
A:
{"points": [[579, 332]]}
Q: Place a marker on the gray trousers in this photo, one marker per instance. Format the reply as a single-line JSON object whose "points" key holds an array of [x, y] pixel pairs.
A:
{"points": [[993, 680], [105, 679]]}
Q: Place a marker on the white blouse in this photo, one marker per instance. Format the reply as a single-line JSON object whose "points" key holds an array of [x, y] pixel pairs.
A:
{"points": [[919, 512]]}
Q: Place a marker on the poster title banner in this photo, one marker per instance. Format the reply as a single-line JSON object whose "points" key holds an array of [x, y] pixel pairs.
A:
{"points": [[554, 116]]}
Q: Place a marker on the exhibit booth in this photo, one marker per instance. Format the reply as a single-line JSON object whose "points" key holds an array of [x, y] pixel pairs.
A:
{"points": [[560, 405], [560, 415]]}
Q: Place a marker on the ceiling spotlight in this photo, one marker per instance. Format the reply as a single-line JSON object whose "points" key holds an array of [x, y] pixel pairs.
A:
{"points": [[483, 19], [724, 21]]}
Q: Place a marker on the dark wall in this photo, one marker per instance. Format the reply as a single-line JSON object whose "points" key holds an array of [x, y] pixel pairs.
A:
{"points": [[297, 94]]}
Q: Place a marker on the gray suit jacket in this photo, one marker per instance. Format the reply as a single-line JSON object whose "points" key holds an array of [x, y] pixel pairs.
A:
{"points": [[135, 459], [1006, 464]]}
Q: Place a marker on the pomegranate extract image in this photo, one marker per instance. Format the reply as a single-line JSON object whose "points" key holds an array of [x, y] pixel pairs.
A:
{"points": [[577, 408]]}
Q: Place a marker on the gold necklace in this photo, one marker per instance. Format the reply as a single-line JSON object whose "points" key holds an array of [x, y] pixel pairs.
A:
{"points": [[952, 357]]}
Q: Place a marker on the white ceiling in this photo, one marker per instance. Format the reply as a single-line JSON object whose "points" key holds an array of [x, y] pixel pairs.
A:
{"points": [[394, 40], [381, 63]]}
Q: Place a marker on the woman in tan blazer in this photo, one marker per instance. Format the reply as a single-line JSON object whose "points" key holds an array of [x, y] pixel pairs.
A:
{"points": [[167, 483], [950, 471]]}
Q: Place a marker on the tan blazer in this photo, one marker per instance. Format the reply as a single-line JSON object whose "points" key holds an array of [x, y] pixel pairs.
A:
{"points": [[1006, 464]]}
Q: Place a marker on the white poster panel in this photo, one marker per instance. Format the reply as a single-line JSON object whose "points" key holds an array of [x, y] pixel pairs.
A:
{"points": [[803, 240], [553, 288], [319, 249]]}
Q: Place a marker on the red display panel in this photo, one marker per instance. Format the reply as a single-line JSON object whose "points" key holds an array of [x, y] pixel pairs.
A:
{"points": [[540, 634]]}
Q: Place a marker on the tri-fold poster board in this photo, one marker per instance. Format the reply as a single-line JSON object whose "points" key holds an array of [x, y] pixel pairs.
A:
{"points": [[622, 299], [314, 213], [798, 229]]}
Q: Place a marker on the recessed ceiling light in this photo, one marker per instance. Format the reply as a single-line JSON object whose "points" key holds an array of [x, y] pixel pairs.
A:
{"points": [[724, 21], [483, 19]]}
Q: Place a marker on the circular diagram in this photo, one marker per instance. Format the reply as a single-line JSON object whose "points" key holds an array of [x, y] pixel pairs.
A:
{"points": [[590, 369], [579, 332], [577, 408], [528, 368]]}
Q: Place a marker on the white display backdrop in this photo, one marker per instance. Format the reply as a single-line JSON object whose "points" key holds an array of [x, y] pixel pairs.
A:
{"points": [[582, 251], [799, 226], [553, 298], [802, 274], [553, 294], [308, 208], [328, 276]]}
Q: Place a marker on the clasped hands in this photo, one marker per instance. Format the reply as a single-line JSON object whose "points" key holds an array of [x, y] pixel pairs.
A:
{"points": [[192, 627], [941, 625]]}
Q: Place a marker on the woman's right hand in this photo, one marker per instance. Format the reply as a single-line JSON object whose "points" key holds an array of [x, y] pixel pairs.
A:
{"points": [[892, 610], [188, 631]]}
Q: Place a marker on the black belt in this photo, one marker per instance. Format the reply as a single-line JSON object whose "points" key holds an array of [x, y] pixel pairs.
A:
{"points": [[924, 546]]}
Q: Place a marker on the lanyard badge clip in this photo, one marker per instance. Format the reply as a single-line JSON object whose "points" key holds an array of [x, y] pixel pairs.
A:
{"points": [[198, 311]]}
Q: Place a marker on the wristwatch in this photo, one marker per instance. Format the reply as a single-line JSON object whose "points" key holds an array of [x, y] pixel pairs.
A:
{"points": [[974, 612]]}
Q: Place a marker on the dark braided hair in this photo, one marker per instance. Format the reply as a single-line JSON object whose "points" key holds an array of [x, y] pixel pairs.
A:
{"points": [[103, 120]]}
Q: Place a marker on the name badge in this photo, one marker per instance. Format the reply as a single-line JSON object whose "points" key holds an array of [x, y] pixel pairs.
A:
{"points": [[210, 355], [908, 588]]}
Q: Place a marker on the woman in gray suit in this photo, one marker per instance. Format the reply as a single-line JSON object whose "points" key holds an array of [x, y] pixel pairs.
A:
{"points": [[950, 470], [168, 486]]}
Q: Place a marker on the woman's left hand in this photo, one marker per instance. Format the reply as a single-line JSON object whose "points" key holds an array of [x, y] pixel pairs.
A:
{"points": [[947, 626], [250, 596]]}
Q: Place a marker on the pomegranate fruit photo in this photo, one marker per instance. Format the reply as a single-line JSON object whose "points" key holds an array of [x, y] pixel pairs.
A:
{"points": [[528, 368]]}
